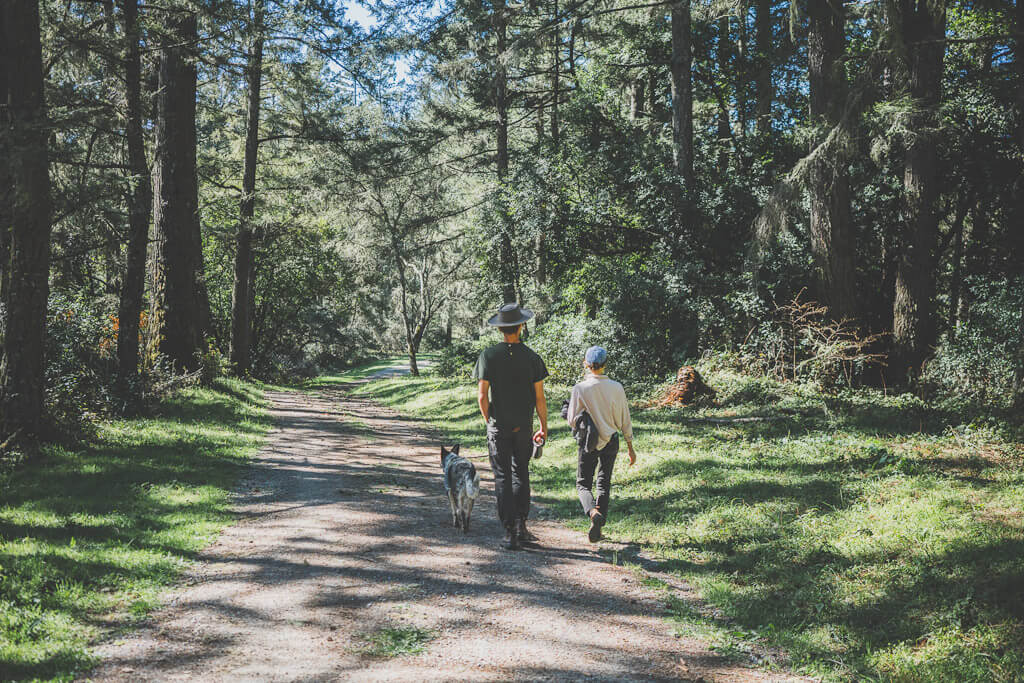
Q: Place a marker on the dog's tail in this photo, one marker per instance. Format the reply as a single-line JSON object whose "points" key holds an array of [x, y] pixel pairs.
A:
{"points": [[473, 486]]}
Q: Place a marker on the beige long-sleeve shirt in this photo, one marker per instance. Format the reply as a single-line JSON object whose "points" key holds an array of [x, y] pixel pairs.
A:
{"points": [[605, 400]]}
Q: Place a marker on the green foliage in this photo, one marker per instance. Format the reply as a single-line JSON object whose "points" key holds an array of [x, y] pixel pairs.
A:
{"points": [[866, 536], [81, 364], [459, 358], [983, 358], [104, 528], [396, 642]]}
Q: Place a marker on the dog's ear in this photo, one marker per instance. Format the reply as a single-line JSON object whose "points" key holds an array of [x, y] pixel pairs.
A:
{"points": [[455, 449]]}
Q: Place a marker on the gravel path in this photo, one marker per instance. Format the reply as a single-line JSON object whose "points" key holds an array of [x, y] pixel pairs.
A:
{"points": [[345, 531]]}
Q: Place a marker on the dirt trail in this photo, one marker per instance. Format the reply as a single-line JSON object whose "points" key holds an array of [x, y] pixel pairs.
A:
{"points": [[345, 530]]}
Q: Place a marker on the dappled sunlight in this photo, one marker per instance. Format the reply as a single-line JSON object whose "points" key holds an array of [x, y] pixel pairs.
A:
{"points": [[855, 528]]}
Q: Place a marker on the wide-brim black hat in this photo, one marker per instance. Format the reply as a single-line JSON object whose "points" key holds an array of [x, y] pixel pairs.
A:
{"points": [[509, 315]]}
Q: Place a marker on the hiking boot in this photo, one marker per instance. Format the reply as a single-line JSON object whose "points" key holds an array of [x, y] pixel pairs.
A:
{"points": [[523, 533], [596, 522], [511, 540]]}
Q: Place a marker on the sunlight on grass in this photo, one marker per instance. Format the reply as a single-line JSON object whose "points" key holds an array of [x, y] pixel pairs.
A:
{"points": [[868, 536], [90, 537]]}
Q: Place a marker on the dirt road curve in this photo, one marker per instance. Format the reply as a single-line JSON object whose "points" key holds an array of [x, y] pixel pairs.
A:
{"points": [[346, 531]]}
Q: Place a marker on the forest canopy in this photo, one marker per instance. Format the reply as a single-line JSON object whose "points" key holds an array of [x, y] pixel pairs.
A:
{"points": [[826, 191]]}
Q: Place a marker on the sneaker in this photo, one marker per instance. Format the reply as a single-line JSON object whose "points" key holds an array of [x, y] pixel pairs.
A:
{"points": [[523, 533], [596, 522], [511, 540]]}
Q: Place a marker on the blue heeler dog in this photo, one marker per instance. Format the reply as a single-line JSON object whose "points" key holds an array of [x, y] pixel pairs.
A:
{"points": [[462, 483]]}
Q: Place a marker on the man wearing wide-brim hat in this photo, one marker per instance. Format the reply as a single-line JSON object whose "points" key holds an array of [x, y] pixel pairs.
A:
{"points": [[511, 386]]}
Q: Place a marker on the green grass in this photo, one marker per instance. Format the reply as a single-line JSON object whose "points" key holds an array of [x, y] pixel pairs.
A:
{"points": [[395, 642], [869, 537], [364, 371], [90, 536]]}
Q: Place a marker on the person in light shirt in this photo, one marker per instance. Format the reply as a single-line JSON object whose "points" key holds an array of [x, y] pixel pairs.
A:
{"points": [[605, 401]]}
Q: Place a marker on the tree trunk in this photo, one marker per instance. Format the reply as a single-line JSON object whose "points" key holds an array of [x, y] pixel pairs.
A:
{"points": [[507, 265], [1017, 245], [180, 305], [923, 24], [636, 99], [958, 256], [140, 201], [414, 369], [831, 242], [6, 195], [723, 132], [682, 93], [24, 129], [556, 66], [742, 73], [764, 92], [242, 295]]}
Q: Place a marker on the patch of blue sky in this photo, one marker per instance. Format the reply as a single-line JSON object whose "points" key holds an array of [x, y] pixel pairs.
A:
{"points": [[358, 13]]}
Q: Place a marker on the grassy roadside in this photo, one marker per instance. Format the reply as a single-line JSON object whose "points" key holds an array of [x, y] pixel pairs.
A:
{"points": [[870, 537], [89, 537]]}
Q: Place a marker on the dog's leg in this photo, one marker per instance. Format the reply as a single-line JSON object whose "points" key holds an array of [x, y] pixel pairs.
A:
{"points": [[451, 501], [469, 511]]}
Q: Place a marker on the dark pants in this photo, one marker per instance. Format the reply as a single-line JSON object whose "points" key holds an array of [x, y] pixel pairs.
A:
{"points": [[510, 461], [603, 461]]}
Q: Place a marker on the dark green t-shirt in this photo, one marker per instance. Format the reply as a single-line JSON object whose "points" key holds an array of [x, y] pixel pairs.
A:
{"points": [[512, 370]]}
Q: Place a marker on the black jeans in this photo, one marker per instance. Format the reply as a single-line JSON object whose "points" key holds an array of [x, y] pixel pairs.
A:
{"points": [[603, 461], [510, 461]]}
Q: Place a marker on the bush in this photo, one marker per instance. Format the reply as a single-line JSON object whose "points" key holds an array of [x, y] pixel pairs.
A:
{"points": [[212, 363], [561, 341], [801, 342], [81, 364], [984, 360], [458, 358]]}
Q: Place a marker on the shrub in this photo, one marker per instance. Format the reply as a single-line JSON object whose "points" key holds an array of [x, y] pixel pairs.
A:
{"points": [[561, 341], [983, 359], [81, 365], [458, 358], [801, 342]]}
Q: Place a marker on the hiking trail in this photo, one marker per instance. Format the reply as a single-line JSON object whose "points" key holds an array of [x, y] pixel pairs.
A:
{"points": [[344, 531]]}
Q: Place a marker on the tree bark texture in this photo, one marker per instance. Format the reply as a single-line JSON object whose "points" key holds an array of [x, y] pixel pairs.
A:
{"points": [[636, 99], [956, 277], [24, 129], [507, 258], [140, 200], [724, 129], [180, 306], [1018, 223], [831, 241], [923, 26], [556, 67], [765, 52], [5, 182], [242, 294], [682, 92]]}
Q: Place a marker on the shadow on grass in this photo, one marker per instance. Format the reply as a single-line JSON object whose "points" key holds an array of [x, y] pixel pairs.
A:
{"points": [[105, 526]]}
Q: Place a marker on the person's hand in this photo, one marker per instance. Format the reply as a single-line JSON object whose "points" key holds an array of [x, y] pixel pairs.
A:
{"points": [[540, 435], [632, 455]]}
